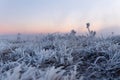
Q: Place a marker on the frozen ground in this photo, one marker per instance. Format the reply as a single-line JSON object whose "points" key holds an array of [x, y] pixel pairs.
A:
{"points": [[60, 57]]}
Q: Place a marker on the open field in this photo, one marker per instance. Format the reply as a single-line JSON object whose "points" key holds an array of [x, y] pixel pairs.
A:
{"points": [[60, 57]]}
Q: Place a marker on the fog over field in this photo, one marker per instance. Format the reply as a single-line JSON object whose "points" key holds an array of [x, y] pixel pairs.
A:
{"points": [[59, 39]]}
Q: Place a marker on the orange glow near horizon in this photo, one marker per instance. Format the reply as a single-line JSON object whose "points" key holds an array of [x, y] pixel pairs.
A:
{"points": [[50, 27], [5, 29], [31, 29], [34, 30]]}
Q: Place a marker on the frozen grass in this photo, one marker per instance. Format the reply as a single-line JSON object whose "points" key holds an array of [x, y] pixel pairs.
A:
{"points": [[60, 57]]}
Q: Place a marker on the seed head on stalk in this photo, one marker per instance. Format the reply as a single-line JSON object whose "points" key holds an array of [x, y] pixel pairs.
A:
{"points": [[87, 26]]}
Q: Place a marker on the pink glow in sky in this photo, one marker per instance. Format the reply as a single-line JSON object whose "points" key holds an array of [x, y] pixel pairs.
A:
{"points": [[42, 16]]}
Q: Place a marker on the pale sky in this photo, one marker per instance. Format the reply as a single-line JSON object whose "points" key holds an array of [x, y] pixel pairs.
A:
{"points": [[36, 16]]}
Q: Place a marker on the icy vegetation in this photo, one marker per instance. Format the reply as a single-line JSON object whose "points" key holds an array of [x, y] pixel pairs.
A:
{"points": [[60, 57]]}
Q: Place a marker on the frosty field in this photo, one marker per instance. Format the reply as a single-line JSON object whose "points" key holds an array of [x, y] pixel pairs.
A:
{"points": [[60, 57]]}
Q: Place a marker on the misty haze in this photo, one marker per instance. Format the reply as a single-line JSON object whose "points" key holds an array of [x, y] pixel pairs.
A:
{"points": [[59, 40]]}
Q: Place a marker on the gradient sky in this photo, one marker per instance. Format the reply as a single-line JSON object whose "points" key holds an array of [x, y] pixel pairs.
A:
{"points": [[36, 16]]}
